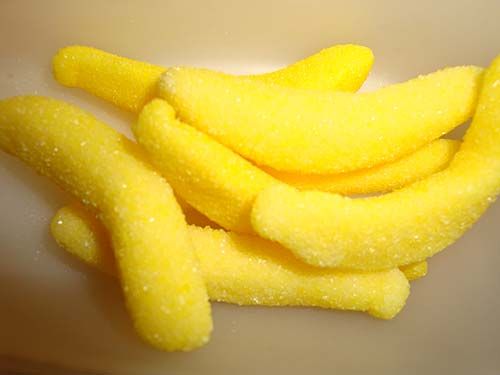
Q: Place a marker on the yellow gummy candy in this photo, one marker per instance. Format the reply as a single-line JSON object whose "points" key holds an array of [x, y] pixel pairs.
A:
{"points": [[398, 228], [430, 159], [130, 84], [414, 271], [163, 288], [79, 231], [323, 132], [247, 270], [341, 68], [208, 176]]}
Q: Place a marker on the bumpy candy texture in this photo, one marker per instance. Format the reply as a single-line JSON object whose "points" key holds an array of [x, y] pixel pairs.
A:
{"points": [[222, 185], [324, 132], [77, 229], [127, 83], [298, 125], [429, 159], [341, 68], [163, 288], [213, 179], [398, 228], [130, 84], [247, 270]]}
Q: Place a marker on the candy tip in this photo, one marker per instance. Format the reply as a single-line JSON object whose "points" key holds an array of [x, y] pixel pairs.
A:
{"points": [[392, 298], [64, 66]]}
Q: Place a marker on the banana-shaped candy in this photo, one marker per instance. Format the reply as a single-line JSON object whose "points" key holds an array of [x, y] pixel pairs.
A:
{"points": [[399, 228]]}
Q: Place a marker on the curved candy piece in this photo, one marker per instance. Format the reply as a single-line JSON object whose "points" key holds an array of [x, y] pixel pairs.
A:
{"points": [[77, 230], [130, 84], [208, 176], [340, 68], [221, 184], [163, 288], [247, 270], [126, 83], [310, 131], [398, 228], [430, 159], [414, 271]]}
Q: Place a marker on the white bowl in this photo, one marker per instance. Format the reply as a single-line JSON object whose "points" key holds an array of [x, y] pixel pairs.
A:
{"points": [[54, 310]]}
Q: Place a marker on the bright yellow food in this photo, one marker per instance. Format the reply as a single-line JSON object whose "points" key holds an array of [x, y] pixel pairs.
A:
{"points": [[322, 132], [429, 159], [208, 176], [247, 270], [398, 228], [222, 185], [77, 229], [163, 288], [130, 84], [341, 68], [414, 271]]}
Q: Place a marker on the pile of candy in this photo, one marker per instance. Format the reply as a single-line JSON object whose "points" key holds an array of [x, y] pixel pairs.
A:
{"points": [[240, 188]]}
